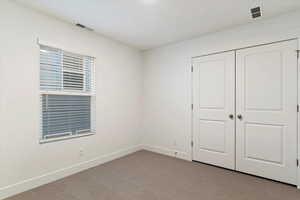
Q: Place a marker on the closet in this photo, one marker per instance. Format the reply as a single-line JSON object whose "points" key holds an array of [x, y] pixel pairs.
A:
{"points": [[245, 110]]}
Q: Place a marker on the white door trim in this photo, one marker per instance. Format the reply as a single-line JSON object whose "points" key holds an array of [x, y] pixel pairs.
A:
{"points": [[192, 101], [298, 128]]}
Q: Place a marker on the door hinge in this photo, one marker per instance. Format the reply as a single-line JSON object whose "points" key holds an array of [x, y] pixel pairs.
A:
{"points": [[192, 143], [192, 68], [297, 108], [297, 162], [298, 52], [192, 106]]}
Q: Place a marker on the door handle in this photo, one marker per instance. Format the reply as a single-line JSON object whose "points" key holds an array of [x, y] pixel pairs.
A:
{"points": [[240, 117], [231, 116]]}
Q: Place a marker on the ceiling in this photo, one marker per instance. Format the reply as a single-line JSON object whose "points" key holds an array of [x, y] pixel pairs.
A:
{"points": [[146, 24]]}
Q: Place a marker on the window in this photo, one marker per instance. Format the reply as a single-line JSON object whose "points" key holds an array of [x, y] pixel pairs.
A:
{"points": [[67, 94]]}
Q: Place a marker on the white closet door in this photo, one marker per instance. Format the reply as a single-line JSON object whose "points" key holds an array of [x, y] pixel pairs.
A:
{"points": [[266, 127], [214, 99]]}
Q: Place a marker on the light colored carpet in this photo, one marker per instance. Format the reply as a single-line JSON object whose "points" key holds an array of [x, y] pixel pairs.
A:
{"points": [[149, 176]]}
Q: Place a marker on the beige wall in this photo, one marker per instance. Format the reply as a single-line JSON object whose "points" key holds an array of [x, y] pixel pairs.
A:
{"points": [[23, 161]]}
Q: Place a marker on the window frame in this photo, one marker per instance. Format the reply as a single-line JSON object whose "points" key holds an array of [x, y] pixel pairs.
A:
{"points": [[67, 92]]}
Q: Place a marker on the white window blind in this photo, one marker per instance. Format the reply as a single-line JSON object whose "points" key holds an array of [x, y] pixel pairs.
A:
{"points": [[67, 94], [65, 115], [65, 71]]}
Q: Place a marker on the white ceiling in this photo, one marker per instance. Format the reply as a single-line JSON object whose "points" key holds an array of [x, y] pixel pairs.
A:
{"points": [[147, 24]]}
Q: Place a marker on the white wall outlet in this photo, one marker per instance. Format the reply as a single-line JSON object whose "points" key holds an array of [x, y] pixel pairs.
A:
{"points": [[175, 153], [81, 153]]}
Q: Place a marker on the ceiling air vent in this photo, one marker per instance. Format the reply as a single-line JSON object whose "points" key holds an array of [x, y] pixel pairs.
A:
{"points": [[256, 12], [83, 26]]}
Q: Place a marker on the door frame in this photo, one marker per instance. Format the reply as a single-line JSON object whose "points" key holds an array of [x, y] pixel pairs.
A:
{"points": [[236, 49]]}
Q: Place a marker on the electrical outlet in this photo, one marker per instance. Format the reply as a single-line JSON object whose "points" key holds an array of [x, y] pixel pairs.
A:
{"points": [[175, 153], [81, 153]]}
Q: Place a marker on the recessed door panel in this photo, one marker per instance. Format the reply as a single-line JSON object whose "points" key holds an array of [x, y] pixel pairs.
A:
{"points": [[266, 147], [212, 136], [213, 125], [263, 80], [212, 75], [266, 106]]}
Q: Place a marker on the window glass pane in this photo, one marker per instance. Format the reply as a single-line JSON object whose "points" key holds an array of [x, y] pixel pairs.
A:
{"points": [[73, 81], [64, 115], [64, 71], [88, 65], [51, 70], [64, 77]]}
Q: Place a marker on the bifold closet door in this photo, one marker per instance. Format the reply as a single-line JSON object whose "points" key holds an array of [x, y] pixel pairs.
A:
{"points": [[266, 108], [214, 107]]}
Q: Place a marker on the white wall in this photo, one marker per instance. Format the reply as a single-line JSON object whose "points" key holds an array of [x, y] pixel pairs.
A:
{"points": [[24, 163], [167, 79]]}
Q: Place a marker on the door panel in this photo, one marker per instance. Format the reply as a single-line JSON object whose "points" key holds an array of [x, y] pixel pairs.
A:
{"points": [[260, 84], [214, 101], [210, 130], [266, 99], [273, 139]]}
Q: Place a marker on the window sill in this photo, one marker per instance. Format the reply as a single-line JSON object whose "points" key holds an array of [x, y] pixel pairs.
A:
{"points": [[43, 141]]}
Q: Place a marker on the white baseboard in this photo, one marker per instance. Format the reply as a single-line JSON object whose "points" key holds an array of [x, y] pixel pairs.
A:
{"points": [[168, 152], [61, 173], [34, 182]]}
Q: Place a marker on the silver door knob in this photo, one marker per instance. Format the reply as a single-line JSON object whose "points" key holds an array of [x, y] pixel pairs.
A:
{"points": [[240, 117]]}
